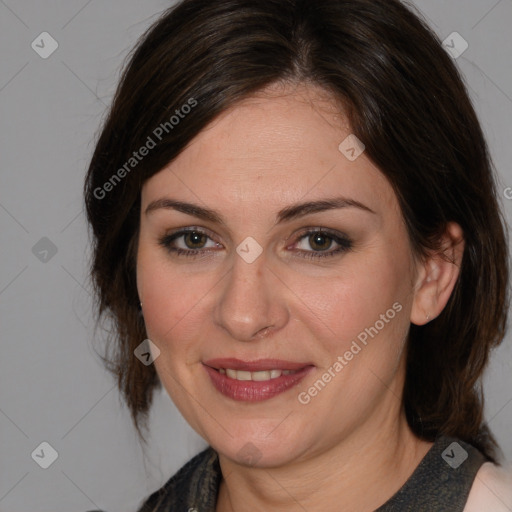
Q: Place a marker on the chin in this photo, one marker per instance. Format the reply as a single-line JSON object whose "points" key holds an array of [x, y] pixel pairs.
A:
{"points": [[262, 452]]}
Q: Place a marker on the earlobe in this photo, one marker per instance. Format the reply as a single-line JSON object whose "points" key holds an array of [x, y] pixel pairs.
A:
{"points": [[437, 277]]}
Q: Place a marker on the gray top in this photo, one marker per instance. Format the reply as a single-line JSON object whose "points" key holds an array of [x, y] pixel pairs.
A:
{"points": [[440, 483]]}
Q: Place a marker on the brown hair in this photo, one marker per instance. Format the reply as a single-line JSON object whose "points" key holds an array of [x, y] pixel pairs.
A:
{"points": [[407, 102]]}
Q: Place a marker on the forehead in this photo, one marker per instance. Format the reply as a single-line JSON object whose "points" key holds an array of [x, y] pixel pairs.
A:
{"points": [[276, 147]]}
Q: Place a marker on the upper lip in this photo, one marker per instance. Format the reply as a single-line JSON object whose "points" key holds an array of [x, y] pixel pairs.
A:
{"points": [[254, 366]]}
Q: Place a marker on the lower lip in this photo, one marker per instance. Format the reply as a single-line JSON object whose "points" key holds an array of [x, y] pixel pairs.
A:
{"points": [[255, 391]]}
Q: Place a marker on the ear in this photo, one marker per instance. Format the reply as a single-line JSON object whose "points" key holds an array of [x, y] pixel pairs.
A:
{"points": [[436, 277]]}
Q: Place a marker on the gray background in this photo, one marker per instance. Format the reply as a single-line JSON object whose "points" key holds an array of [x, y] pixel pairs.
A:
{"points": [[52, 385]]}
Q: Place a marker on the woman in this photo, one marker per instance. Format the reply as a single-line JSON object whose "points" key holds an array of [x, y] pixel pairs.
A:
{"points": [[296, 233]]}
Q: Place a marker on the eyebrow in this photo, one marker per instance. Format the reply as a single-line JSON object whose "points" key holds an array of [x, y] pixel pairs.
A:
{"points": [[291, 212]]}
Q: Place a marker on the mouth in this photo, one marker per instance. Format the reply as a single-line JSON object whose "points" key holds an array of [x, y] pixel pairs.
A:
{"points": [[255, 380], [256, 376]]}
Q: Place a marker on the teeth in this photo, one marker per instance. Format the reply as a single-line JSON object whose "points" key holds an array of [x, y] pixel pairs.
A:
{"points": [[256, 376], [231, 373], [241, 375], [263, 375]]}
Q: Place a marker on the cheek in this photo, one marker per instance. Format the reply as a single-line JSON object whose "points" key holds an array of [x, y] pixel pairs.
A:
{"points": [[170, 297], [353, 299]]}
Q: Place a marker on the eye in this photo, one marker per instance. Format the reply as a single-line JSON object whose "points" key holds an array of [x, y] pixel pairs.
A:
{"points": [[321, 240], [194, 239], [193, 242], [188, 242]]}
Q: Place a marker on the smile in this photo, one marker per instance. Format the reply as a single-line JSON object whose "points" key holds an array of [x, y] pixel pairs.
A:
{"points": [[257, 376], [254, 381]]}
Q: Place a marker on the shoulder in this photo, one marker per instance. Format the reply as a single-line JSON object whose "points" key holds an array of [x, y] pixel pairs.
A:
{"points": [[194, 474], [491, 489]]}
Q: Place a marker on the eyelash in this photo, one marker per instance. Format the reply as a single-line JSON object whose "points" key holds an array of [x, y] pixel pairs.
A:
{"points": [[344, 243]]}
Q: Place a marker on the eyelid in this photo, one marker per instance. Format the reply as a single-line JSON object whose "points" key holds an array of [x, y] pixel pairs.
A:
{"points": [[169, 237], [196, 229], [318, 229], [344, 242]]}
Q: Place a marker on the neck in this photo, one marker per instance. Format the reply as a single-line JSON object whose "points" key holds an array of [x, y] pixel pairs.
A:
{"points": [[358, 474]]}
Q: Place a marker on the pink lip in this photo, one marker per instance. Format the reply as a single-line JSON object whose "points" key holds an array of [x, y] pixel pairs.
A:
{"points": [[254, 391]]}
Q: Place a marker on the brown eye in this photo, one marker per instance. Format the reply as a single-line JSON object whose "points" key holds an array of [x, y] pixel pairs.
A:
{"points": [[319, 244], [193, 243], [195, 240], [320, 241]]}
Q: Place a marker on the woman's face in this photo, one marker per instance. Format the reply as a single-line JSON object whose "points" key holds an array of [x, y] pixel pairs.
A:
{"points": [[325, 292]]}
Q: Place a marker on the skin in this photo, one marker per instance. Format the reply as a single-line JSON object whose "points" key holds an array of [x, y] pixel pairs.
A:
{"points": [[268, 152]]}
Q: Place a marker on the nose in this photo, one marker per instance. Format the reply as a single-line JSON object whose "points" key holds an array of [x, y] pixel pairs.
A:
{"points": [[252, 301]]}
